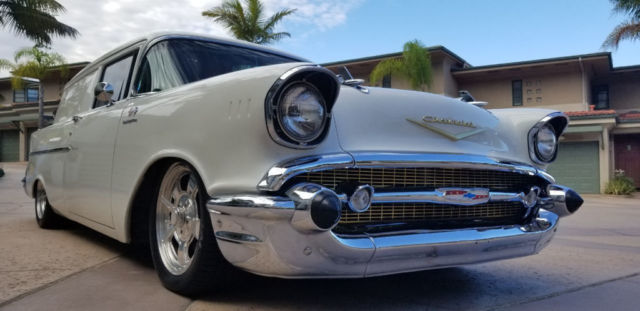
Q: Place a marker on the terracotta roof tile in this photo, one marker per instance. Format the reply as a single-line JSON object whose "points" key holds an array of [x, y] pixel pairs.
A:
{"points": [[590, 113], [630, 115]]}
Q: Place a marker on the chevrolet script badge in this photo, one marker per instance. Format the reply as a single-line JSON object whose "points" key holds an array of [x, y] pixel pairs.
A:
{"points": [[449, 128]]}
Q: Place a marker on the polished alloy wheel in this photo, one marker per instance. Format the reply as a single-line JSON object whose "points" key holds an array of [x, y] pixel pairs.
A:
{"points": [[41, 201], [177, 221]]}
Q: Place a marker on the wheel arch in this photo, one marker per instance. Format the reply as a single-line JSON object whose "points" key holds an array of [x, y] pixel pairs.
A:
{"points": [[136, 224]]}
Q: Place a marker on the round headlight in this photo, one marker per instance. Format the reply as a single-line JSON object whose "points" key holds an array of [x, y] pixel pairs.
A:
{"points": [[302, 112], [546, 143]]}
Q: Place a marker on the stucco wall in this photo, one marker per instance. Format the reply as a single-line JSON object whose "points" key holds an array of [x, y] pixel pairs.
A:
{"points": [[560, 90], [624, 92]]}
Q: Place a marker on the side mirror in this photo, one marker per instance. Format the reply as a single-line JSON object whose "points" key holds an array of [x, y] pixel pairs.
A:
{"points": [[104, 92]]}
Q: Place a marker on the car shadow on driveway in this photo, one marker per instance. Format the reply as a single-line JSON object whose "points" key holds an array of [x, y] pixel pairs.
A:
{"points": [[426, 289]]}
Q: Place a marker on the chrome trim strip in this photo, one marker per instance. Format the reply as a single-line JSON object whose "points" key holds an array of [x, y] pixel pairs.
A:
{"points": [[283, 202], [439, 197], [253, 201], [280, 173], [54, 150]]}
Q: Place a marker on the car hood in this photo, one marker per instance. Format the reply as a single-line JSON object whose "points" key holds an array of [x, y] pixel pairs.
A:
{"points": [[388, 120]]}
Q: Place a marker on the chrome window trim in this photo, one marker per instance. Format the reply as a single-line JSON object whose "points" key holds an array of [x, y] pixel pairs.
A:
{"points": [[536, 128], [280, 173], [271, 105]]}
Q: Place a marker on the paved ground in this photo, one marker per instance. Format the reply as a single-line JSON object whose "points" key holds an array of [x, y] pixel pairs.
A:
{"points": [[593, 264]]}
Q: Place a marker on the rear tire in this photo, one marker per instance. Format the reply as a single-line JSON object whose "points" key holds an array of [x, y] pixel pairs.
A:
{"points": [[45, 216], [183, 245]]}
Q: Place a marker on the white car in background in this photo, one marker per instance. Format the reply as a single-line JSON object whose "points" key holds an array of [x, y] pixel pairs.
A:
{"points": [[217, 153]]}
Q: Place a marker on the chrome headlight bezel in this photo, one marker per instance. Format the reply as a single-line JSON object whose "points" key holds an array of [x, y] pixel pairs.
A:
{"points": [[555, 123], [323, 81]]}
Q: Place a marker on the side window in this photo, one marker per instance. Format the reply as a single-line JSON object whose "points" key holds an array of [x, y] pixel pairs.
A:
{"points": [[117, 74], [77, 97]]}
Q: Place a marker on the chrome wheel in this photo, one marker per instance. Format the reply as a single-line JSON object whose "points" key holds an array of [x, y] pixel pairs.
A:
{"points": [[177, 221], [41, 201]]}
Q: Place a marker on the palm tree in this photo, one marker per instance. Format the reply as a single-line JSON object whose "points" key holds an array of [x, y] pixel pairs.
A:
{"points": [[247, 22], [629, 29], [35, 63], [35, 19], [415, 66]]}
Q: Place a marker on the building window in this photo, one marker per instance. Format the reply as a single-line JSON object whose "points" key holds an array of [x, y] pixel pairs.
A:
{"points": [[386, 81], [516, 92], [601, 96], [28, 95]]}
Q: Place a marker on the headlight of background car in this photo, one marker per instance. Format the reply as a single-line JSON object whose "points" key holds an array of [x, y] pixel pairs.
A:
{"points": [[302, 112], [546, 143]]}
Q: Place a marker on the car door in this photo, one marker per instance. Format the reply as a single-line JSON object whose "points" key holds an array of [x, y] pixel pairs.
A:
{"points": [[89, 164]]}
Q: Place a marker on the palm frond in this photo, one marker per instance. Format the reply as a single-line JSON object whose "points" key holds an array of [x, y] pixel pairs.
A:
{"points": [[246, 21], [631, 7], [6, 64], [387, 67], [418, 64], [276, 18], [415, 66], [34, 63], [35, 19], [629, 30]]}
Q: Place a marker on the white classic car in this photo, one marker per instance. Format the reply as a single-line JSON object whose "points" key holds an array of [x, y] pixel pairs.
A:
{"points": [[218, 154]]}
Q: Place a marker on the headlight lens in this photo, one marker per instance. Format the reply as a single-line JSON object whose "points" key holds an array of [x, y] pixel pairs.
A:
{"points": [[546, 143], [302, 112]]}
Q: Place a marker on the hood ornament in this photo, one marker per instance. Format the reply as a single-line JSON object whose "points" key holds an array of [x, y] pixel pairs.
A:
{"points": [[449, 128]]}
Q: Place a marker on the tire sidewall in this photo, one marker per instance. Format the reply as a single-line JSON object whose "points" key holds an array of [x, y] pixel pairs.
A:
{"points": [[180, 283]]}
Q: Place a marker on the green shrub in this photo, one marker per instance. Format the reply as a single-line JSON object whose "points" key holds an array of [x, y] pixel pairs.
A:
{"points": [[620, 184]]}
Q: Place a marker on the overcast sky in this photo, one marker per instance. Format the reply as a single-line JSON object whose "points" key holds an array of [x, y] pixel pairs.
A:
{"points": [[481, 32]]}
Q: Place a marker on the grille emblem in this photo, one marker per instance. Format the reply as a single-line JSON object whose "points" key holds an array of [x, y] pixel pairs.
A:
{"points": [[464, 195], [449, 128]]}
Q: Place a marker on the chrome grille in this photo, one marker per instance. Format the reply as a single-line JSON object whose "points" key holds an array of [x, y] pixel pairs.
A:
{"points": [[418, 212], [422, 177]]}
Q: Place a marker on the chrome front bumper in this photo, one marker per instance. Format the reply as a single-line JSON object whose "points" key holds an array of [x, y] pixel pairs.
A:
{"points": [[255, 233], [277, 235]]}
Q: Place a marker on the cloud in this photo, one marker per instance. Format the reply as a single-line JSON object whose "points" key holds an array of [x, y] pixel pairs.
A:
{"points": [[104, 25], [323, 15]]}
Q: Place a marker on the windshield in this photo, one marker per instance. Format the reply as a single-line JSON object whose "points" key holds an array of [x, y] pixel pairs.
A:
{"points": [[176, 62]]}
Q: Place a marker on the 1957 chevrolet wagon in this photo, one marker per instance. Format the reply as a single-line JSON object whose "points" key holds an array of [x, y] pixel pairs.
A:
{"points": [[218, 154]]}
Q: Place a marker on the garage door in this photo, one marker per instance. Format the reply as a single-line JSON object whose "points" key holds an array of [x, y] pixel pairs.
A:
{"points": [[577, 166], [9, 146]]}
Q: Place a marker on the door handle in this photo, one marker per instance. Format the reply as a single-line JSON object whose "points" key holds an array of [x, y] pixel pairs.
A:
{"points": [[76, 119]]}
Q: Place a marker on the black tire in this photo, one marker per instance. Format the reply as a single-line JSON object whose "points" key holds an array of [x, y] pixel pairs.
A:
{"points": [[207, 269], [45, 216]]}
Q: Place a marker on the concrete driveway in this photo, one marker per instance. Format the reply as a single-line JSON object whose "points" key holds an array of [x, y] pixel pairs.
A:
{"points": [[593, 264]]}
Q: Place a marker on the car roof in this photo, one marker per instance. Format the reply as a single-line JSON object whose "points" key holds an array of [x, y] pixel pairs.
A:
{"points": [[156, 36]]}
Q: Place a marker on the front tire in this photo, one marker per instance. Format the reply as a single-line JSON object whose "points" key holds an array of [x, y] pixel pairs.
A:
{"points": [[183, 245], [45, 216]]}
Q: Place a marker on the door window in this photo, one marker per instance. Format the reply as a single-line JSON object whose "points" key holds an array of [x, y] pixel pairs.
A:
{"points": [[117, 74]]}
